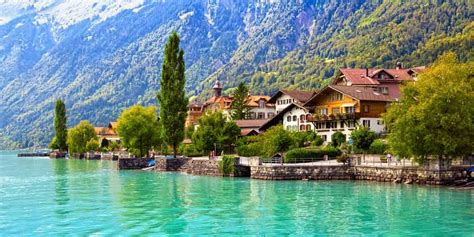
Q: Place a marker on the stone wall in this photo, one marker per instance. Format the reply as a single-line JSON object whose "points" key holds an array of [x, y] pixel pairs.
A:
{"points": [[132, 163], [198, 167], [178, 164], [409, 174], [286, 172]]}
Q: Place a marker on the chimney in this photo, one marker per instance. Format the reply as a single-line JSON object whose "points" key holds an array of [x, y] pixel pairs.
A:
{"points": [[367, 72], [399, 66]]}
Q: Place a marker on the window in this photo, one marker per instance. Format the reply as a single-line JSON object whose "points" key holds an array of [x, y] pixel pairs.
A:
{"points": [[288, 118], [324, 137], [252, 115], [349, 110], [342, 124], [308, 127], [350, 124], [336, 96], [271, 115], [295, 118], [302, 118], [379, 122], [261, 115], [323, 111], [302, 128], [366, 108], [320, 126], [383, 90], [336, 110], [382, 76], [261, 103], [366, 123], [308, 117]]}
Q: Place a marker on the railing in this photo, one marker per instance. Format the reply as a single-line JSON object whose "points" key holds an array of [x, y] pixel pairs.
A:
{"points": [[300, 161], [331, 117]]}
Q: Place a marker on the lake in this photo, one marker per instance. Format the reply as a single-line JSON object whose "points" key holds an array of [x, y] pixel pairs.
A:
{"points": [[44, 197]]}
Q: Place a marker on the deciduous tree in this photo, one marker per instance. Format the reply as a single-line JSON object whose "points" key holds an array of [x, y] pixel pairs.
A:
{"points": [[435, 115], [78, 136], [139, 129]]}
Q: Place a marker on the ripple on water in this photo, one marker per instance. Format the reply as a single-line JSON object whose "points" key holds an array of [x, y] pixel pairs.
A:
{"points": [[68, 197]]}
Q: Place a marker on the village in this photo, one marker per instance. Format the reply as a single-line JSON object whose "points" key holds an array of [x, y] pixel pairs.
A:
{"points": [[385, 124], [354, 98]]}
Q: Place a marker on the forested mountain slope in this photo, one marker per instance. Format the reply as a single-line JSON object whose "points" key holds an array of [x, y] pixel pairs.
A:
{"points": [[102, 56]]}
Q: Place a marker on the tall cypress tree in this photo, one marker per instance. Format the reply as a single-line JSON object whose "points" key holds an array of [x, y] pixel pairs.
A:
{"points": [[172, 97], [60, 125]]}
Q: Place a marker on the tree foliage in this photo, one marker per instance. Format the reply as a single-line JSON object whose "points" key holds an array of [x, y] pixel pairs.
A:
{"points": [[362, 138], [215, 132], [78, 136], [338, 138], [139, 129], [435, 115], [60, 126], [172, 96], [92, 145], [239, 106]]}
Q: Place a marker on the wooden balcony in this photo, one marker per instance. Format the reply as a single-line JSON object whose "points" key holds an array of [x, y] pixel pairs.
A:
{"points": [[333, 117]]}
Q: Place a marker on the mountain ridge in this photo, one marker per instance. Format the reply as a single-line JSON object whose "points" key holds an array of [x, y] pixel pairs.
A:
{"points": [[100, 66]]}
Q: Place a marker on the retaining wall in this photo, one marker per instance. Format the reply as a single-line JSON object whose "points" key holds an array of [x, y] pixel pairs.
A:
{"points": [[384, 174], [132, 163]]}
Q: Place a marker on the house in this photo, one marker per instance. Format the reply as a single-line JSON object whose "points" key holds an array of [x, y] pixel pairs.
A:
{"points": [[384, 81], [250, 127], [283, 98], [195, 111], [290, 110], [107, 134], [343, 108], [259, 106]]}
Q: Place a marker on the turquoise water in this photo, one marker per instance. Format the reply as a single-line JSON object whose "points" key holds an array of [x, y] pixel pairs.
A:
{"points": [[44, 197]]}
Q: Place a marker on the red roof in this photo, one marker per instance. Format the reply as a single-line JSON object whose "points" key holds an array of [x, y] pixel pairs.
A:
{"points": [[368, 76]]}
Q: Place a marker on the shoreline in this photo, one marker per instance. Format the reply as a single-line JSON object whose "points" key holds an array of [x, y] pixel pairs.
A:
{"points": [[455, 176]]}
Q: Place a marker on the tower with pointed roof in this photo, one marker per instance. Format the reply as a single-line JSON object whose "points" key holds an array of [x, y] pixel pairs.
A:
{"points": [[217, 88]]}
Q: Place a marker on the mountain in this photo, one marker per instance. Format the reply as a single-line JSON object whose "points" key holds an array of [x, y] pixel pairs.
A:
{"points": [[102, 56]]}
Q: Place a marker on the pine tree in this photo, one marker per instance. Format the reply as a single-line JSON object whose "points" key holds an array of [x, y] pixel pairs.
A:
{"points": [[171, 97], [60, 126], [240, 109]]}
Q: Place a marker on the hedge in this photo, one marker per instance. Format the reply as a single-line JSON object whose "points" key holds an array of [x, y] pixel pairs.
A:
{"points": [[248, 150], [299, 153]]}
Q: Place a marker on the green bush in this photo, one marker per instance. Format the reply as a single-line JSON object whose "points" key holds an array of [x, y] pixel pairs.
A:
{"points": [[189, 150], [252, 149], [337, 139], [378, 146], [298, 153], [227, 165], [317, 141], [343, 158]]}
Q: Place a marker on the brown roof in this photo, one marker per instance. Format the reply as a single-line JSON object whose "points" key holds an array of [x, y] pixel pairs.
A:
{"points": [[104, 131], [248, 132], [300, 96], [361, 76], [254, 99], [362, 93], [358, 93], [254, 123]]}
